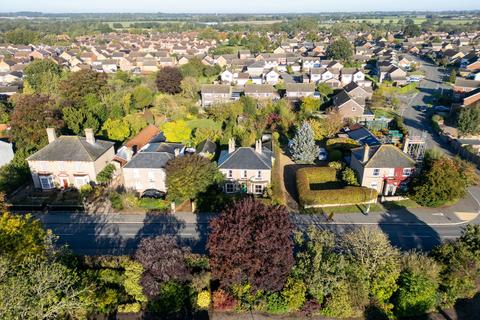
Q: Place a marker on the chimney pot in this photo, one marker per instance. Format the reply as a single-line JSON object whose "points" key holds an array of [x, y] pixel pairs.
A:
{"points": [[89, 136], [52, 136]]}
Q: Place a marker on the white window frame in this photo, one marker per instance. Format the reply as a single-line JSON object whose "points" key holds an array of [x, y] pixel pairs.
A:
{"points": [[407, 172], [255, 188], [46, 182], [376, 172], [245, 174], [81, 181], [230, 174], [228, 186], [259, 174]]}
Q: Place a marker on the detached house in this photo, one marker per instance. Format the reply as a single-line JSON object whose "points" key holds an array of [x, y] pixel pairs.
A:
{"points": [[69, 160], [246, 169], [384, 168], [297, 91]]}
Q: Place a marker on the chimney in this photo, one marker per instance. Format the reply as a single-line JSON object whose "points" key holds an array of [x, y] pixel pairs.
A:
{"points": [[89, 136], [258, 146], [366, 153], [231, 145], [52, 136]]}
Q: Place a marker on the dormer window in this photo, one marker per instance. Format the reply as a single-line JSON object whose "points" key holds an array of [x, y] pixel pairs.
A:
{"points": [[230, 174]]}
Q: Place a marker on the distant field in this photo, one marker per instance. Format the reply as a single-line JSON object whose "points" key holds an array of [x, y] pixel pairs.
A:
{"points": [[258, 22], [415, 20], [127, 24]]}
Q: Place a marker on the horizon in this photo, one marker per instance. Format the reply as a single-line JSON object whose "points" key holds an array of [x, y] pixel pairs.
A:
{"points": [[222, 7]]}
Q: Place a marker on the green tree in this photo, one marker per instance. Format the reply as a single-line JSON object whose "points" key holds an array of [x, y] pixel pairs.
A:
{"points": [[468, 121], [442, 181], [169, 80], [380, 262], [79, 84], [117, 130], [177, 131], [418, 285], [190, 175], [21, 36], [309, 105], [411, 30], [142, 97], [190, 87], [340, 49], [106, 175], [43, 76], [324, 89], [303, 147]]}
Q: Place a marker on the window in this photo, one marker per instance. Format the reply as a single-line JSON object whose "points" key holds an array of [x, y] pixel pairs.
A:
{"points": [[245, 174], [259, 174], [230, 174], [61, 166], [258, 188], [81, 181], [407, 172], [376, 172], [229, 188], [354, 109], [46, 182]]}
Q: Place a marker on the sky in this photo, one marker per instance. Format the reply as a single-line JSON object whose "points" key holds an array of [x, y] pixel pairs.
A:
{"points": [[232, 6]]}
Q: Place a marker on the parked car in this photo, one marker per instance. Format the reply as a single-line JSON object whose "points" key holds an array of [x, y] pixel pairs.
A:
{"points": [[422, 108], [153, 194], [441, 109], [322, 154]]}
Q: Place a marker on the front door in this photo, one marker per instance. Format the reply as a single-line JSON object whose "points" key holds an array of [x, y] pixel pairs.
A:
{"points": [[64, 182]]}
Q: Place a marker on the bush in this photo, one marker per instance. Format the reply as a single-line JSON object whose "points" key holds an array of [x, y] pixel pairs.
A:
{"points": [[105, 176], [322, 175], [349, 177], [203, 299], [276, 304], [115, 200], [343, 144], [223, 301], [335, 155], [337, 165], [130, 308]]}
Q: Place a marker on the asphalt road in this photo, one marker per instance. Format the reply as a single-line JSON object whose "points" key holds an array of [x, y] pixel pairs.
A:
{"points": [[417, 121], [120, 234]]}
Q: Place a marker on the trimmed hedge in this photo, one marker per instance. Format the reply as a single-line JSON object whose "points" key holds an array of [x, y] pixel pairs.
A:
{"points": [[345, 196]]}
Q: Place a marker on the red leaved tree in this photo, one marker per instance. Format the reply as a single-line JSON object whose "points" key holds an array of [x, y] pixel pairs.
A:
{"points": [[251, 242]]}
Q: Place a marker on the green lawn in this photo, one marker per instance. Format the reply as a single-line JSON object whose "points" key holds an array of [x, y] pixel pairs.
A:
{"points": [[384, 113], [361, 209]]}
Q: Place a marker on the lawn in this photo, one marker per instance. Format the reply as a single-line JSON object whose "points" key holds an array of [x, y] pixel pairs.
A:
{"points": [[361, 209], [384, 113]]}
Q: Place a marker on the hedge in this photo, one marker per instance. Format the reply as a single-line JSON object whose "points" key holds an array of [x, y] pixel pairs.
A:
{"points": [[349, 195]]}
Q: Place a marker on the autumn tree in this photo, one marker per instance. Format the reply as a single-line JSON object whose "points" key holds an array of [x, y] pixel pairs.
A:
{"points": [[190, 175], [163, 260], [251, 242], [169, 80], [30, 117]]}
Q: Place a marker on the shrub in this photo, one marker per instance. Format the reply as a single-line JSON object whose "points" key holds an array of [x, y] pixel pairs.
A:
{"points": [[276, 304], [105, 176], [86, 191], [115, 200], [321, 175], [129, 199], [335, 155], [223, 301], [337, 165], [294, 294], [130, 308], [349, 177], [203, 299], [343, 144]]}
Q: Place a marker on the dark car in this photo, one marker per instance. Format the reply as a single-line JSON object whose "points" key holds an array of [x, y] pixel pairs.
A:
{"points": [[153, 194]]}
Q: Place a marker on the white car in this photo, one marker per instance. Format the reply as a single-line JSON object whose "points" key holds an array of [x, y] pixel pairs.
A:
{"points": [[322, 154]]}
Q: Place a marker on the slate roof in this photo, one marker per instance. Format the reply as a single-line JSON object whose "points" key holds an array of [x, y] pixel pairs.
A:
{"points": [[149, 160], [384, 156], [216, 88], [259, 88], [300, 87], [163, 147], [72, 148], [363, 136], [206, 146], [246, 158]]}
